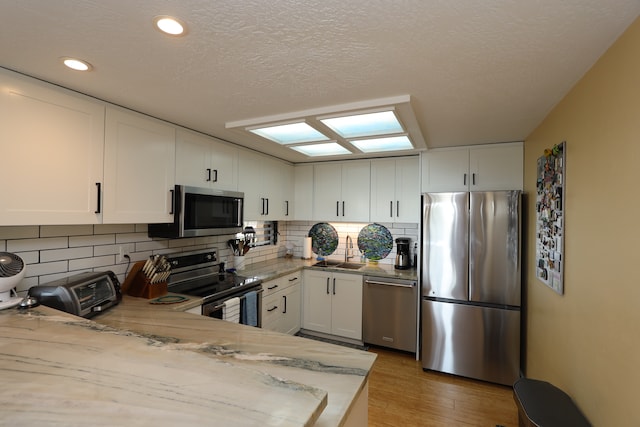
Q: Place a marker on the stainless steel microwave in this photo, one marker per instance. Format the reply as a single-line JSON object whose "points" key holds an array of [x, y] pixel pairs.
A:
{"points": [[202, 212]]}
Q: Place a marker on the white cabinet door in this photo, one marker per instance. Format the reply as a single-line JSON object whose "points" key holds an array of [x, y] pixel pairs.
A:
{"points": [[332, 303], [193, 159], [383, 190], [446, 170], [303, 193], [139, 168], [316, 297], [51, 154], [327, 191], [395, 190], [408, 190], [346, 305], [356, 189], [201, 161], [291, 310], [341, 191], [250, 183], [498, 167]]}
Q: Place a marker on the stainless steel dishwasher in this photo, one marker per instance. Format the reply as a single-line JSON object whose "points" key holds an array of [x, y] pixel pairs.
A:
{"points": [[390, 312]]}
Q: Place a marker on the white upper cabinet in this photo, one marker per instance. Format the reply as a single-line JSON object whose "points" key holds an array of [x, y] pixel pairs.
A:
{"points": [[139, 171], [341, 191], [482, 168], [51, 154], [202, 161], [267, 185], [395, 190], [303, 193]]}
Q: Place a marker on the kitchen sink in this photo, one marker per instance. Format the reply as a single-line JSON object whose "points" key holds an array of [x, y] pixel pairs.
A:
{"points": [[350, 265], [327, 263], [339, 264]]}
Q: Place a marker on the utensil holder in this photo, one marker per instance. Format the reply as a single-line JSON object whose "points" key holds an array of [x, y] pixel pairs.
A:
{"points": [[238, 262], [137, 284]]}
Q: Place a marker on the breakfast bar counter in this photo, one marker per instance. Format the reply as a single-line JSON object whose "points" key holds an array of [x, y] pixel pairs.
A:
{"points": [[144, 364]]}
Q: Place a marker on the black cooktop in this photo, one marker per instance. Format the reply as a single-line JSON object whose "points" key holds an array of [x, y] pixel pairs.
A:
{"points": [[197, 274], [216, 286]]}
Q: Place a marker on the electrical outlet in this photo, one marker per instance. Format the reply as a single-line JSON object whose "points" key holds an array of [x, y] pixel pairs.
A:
{"points": [[122, 254]]}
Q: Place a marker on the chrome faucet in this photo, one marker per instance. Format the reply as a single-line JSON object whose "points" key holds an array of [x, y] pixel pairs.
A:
{"points": [[348, 252]]}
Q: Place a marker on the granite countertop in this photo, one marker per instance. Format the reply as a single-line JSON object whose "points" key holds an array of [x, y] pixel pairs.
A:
{"points": [[272, 269], [144, 364]]}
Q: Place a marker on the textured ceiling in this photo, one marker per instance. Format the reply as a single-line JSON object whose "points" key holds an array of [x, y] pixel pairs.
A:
{"points": [[477, 71]]}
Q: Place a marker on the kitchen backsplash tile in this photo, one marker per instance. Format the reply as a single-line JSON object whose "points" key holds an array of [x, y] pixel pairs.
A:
{"points": [[54, 252]]}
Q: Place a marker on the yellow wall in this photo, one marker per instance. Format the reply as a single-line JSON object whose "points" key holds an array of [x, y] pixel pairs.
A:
{"points": [[587, 342]]}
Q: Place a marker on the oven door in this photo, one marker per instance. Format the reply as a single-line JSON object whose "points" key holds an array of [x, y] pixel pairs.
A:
{"points": [[216, 308]]}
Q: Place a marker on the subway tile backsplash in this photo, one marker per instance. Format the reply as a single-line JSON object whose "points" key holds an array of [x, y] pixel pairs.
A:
{"points": [[54, 252]]}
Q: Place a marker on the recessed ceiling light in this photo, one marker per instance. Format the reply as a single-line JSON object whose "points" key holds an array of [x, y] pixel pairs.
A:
{"points": [[290, 133], [374, 145], [169, 25], [326, 149], [76, 64]]}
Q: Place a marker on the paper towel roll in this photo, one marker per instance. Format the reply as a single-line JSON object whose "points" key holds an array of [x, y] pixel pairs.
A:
{"points": [[306, 248]]}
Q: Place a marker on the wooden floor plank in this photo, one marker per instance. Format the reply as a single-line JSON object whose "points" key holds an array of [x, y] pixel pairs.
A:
{"points": [[402, 394]]}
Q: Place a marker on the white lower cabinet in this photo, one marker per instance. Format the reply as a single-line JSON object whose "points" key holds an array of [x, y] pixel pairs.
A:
{"points": [[332, 303], [281, 304]]}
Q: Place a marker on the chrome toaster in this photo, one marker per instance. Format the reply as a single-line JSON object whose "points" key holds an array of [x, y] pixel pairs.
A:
{"points": [[83, 294]]}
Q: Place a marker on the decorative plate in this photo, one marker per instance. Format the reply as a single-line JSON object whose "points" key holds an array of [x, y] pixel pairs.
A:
{"points": [[324, 239], [375, 241]]}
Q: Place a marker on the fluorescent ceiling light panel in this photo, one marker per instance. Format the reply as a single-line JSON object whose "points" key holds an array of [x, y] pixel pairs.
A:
{"points": [[327, 149], [370, 124], [290, 134], [393, 143]]}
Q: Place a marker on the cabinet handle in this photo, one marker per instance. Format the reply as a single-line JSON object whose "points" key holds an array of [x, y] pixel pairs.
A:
{"points": [[338, 208], [173, 202], [473, 179], [215, 175], [98, 207], [275, 307], [391, 208], [327, 286], [464, 180], [334, 286], [295, 278], [272, 287], [397, 208], [287, 208], [208, 174], [343, 208], [267, 206], [285, 304], [262, 199]]}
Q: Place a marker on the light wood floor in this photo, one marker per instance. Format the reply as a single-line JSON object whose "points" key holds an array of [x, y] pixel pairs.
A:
{"points": [[402, 394]]}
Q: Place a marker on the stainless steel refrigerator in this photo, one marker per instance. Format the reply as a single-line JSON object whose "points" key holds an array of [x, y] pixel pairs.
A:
{"points": [[471, 284]]}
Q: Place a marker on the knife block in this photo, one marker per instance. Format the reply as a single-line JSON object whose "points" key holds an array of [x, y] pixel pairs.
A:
{"points": [[137, 284]]}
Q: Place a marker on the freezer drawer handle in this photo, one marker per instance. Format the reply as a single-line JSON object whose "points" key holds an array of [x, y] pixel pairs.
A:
{"points": [[399, 285]]}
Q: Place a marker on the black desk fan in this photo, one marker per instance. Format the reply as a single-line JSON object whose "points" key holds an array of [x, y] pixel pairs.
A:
{"points": [[12, 271]]}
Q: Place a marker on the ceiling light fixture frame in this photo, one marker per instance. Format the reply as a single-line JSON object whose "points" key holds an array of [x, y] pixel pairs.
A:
{"points": [[400, 106]]}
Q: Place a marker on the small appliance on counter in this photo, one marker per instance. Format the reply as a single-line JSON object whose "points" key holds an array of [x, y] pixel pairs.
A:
{"points": [[12, 270], [83, 294], [403, 257]]}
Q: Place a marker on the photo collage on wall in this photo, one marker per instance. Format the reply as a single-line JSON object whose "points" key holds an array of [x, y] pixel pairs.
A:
{"points": [[549, 217]]}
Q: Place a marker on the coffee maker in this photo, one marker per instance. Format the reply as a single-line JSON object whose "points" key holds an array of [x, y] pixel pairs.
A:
{"points": [[403, 258]]}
